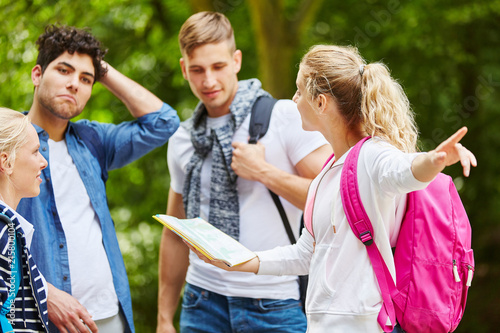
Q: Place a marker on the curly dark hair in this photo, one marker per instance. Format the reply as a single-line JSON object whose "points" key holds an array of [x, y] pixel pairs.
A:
{"points": [[58, 39]]}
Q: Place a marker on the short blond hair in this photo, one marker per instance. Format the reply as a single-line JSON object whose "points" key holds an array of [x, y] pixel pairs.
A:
{"points": [[205, 28], [13, 132], [366, 94]]}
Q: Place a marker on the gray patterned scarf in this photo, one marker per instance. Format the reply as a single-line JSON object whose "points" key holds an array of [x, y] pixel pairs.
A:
{"points": [[224, 205]]}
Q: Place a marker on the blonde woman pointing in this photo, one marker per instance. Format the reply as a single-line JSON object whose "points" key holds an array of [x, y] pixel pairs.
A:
{"points": [[345, 99]]}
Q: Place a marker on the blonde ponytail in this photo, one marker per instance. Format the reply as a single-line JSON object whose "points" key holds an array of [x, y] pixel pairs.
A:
{"points": [[385, 109], [366, 95]]}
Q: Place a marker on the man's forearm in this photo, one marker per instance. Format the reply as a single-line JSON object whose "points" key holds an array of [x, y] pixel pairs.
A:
{"points": [[249, 162], [173, 263], [136, 98], [291, 187]]}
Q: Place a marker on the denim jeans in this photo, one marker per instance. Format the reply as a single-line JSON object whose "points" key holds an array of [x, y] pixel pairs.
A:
{"points": [[205, 311], [397, 329]]}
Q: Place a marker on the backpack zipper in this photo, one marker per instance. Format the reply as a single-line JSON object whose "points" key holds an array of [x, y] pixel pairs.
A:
{"points": [[470, 272], [455, 271]]}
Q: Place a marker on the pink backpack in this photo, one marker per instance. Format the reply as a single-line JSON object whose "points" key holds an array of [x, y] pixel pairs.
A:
{"points": [[433, 256]]}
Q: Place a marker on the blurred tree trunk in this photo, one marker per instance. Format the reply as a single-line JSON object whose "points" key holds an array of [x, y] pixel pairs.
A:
{"points": [[277, 36], [201, 5]]}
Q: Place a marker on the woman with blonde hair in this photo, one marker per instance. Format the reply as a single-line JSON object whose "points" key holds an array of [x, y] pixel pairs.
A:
{"points": [[23, 296], [345, 99]]}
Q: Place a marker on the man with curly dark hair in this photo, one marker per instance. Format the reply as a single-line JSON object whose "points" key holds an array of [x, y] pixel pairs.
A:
{"points": [[75, 244], [55, 41]]}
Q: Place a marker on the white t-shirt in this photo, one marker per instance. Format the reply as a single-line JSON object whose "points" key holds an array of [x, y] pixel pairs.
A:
{"points": [[91, 278], [261, 227]]}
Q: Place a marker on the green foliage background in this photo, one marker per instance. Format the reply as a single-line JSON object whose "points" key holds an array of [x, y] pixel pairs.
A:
{"points": [[445, 53]]}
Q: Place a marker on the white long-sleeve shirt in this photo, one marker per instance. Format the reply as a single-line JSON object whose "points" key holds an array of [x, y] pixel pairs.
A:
{"points": [[343, 293]]}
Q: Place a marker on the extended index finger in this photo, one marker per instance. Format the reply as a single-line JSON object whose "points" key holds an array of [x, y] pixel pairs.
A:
{"points": [[454, 138]]}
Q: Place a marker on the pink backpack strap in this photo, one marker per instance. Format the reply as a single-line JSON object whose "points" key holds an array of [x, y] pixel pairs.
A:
{"points": [[363, 229], [328, 160], [308, 212]]}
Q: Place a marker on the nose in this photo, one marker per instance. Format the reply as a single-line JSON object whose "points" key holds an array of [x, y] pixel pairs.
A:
{"points": [[209, 80], [73, 82], [295, 97], [43, 162]]}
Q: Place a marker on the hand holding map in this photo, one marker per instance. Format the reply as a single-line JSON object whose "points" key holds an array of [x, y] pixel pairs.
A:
{"points": [[208, 240]]}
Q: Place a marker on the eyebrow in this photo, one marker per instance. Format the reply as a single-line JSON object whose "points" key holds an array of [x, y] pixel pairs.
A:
{"points": [[214, 64], [220, 63], [73, 68]]}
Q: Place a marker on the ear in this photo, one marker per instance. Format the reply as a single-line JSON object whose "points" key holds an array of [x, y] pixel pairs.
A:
{"points": [[183, 68], [5, 166], [36, 75], [321, 103], [237, 57]]}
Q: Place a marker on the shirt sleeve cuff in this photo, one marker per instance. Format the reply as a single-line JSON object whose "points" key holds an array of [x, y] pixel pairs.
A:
{"points": [[166, 111], [413, 182], [268, 263]]}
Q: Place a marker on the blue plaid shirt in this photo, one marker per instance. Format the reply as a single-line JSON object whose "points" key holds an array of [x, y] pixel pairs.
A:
{"points": [[123, 143]]}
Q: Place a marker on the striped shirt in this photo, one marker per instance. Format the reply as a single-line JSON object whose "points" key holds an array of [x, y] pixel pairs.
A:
{"points": [[29, 311]]}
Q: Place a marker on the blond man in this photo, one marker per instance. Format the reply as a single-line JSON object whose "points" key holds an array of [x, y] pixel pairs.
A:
{"points": [[215, 174]]}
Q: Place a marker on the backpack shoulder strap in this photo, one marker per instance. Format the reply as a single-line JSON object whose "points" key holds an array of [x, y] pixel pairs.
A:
{"points": [[351, 200], [91, 139], [259, 124], [284, 218], [260, 117], [363, 230]]}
